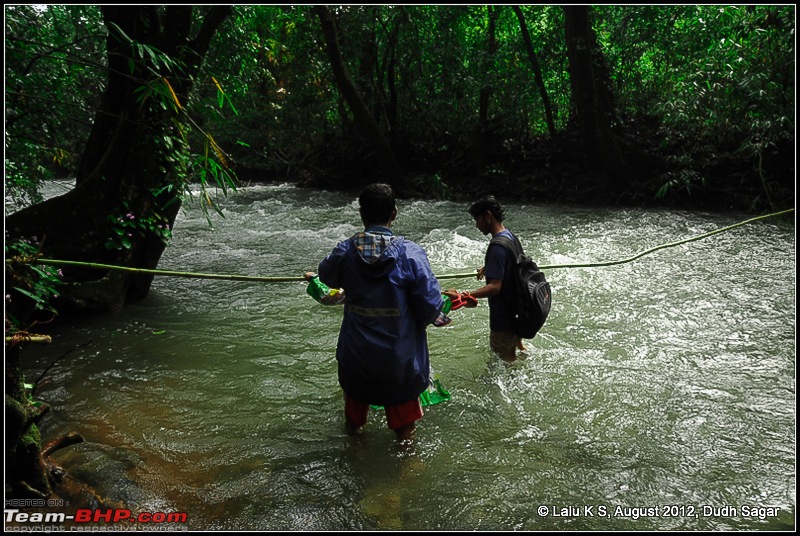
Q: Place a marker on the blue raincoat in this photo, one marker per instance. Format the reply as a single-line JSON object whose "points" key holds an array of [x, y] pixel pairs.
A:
{"points": [[391, 295]]}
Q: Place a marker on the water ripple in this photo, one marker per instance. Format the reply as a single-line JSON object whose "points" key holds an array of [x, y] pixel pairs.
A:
{"points": [[669, 380]]}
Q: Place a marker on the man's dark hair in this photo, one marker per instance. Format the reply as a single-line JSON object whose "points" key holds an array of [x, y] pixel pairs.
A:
{"points": [[487, 202], [377, 203]]}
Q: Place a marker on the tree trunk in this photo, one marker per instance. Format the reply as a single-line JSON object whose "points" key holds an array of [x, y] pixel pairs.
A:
{"points": [[127, 161], [593, 98], [128, 165], [537, 72], [391, 81], [364, 119], [26, 475], [482, 131]]}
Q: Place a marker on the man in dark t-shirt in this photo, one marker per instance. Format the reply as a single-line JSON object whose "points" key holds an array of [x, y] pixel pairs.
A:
{"points": [[497, 270]]}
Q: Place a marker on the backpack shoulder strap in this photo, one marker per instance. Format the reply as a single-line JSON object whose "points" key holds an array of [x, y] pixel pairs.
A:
{"points": [[511, 245], [514, 247]]}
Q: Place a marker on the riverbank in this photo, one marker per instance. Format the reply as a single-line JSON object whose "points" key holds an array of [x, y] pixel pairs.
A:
{"points": [[664, 169]]}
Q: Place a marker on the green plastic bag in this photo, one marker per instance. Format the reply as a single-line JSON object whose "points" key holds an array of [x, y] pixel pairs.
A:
{"points": [[322, 293], [433, 395], [317, 289]]}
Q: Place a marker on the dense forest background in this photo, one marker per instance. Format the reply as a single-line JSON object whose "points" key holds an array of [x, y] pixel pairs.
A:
{"points": [[691, 106], [151, 108]]}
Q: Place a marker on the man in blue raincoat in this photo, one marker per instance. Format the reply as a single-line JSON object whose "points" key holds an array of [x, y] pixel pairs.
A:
{"points": [[390, 297]]}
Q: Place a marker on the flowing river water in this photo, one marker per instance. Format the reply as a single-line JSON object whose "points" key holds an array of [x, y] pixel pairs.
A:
{"points": [[659, 396]]}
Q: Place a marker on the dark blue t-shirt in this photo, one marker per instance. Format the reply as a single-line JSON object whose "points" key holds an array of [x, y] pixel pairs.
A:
{"points": [[498, 265]]}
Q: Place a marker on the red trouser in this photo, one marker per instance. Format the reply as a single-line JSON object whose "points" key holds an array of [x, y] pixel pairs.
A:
{"points": [[396, 416]]}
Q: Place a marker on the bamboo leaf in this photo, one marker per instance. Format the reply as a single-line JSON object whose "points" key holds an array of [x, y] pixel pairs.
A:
{"points": [[231, 105], [120, 32], [34, 297], [172, 93]]}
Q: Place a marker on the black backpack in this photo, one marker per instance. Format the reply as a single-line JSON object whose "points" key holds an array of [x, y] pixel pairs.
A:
{"points": [[532, 293]]}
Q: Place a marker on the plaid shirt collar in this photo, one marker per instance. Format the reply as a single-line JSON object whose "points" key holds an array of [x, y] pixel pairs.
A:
{"points": [[373, 242]]}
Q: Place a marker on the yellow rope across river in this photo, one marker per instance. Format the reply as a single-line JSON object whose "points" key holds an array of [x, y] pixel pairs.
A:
{"points": [[274, 279]]}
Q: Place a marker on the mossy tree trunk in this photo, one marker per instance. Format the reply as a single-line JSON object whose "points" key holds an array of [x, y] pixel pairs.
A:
{"points": [[366, 122], [593, 99], [26, 474], [130, 168], [482, 134]]}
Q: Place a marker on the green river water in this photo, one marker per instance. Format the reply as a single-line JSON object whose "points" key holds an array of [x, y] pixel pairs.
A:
{"points": [[659, 396]]}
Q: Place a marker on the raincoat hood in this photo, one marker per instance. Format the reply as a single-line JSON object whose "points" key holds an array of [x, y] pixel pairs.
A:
{"points": [[378, 251]]}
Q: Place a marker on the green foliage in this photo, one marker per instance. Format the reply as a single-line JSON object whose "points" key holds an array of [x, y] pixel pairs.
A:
{"points": [[46, 66], [211, 167], [23, 184], [126, 227], [53, 75], [682, 181], [722, 76], [204, 168], [433, 186], [28, 389], [36, 282], [440, 189], [147, 55], [267, 57], [723, 72], [160, 92]]}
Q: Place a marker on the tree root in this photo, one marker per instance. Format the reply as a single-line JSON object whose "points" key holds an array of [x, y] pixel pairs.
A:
{"points": [[71, 438]]}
